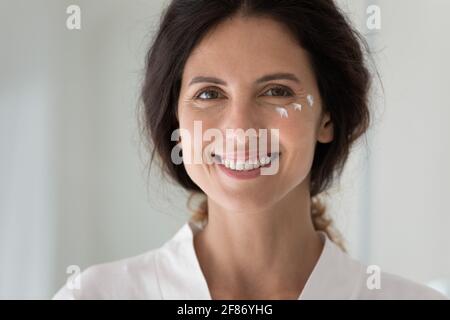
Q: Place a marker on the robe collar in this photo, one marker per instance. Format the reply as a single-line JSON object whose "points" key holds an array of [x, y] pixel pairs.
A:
{"points": [[335, 276]]}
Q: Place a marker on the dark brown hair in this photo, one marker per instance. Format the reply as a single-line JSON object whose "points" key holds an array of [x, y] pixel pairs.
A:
{"points": [[336, 53]]}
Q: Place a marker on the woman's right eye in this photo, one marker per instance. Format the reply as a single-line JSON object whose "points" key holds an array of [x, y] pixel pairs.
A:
{"points": [[208, 94]]}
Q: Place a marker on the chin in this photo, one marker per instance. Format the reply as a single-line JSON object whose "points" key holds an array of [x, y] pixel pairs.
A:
{"points": [[250, 200]]}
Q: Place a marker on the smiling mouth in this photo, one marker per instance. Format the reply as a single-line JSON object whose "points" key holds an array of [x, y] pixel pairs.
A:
{"points": [[232, 163]]}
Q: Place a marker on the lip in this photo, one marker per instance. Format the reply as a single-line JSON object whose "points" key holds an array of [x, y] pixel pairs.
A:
{"points": [[244, 174]]}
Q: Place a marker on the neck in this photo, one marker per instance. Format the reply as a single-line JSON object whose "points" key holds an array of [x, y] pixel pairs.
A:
{"points": [[270, 251]]}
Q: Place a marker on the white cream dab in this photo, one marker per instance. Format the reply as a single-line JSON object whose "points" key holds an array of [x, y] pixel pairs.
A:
{"points": [[297, 106], [282, 112], [310, 99]]}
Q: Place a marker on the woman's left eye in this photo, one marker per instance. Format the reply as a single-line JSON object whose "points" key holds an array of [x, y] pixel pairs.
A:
{"points": [[279, 92]]}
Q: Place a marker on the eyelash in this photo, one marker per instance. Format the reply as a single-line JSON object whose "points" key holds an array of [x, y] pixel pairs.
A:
{"points": [[285, 89], [197, 96]]}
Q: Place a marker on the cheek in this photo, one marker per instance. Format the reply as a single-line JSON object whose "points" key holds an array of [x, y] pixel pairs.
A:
{"points": [[298, 140], [295, 129], [197, 137], [193, 156], [208, 117], [196, 173]]}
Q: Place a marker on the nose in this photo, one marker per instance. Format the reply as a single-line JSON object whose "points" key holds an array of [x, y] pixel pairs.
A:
{"points": [[240, 125]]}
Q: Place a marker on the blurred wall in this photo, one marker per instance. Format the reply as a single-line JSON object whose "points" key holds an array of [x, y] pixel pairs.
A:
{"points": [[73, 180], [410, 156]]}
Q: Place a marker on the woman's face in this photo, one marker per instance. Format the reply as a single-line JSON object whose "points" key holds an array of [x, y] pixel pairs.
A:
{"points": [[239, 54]]}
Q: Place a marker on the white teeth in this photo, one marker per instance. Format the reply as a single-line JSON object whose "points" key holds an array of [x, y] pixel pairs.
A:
{"points": [[240, 165]]}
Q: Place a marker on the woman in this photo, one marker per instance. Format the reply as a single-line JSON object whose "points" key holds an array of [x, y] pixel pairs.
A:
{"points": [[294, 67]]}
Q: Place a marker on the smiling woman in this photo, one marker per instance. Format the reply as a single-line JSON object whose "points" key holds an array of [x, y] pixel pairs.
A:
{"points": [[234, 65]]}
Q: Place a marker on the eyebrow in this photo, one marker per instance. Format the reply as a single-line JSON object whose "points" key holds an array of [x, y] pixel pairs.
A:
{"points": [[266, 78]]}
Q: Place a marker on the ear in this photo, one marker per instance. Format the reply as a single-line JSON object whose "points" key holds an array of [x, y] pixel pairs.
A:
{"points": [[325, 133]]}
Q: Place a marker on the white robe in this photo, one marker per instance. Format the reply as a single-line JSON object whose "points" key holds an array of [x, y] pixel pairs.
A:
{"points": [[173, 272]]}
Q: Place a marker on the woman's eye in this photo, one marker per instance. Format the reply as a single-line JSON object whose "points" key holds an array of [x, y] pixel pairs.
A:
{"points": [[279, 92], [208, 95]]}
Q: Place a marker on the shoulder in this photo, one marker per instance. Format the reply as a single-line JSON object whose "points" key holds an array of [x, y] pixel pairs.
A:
{"points": [[392, 286], [130, 278], [373, 283], [340, 276], [168, 271]]}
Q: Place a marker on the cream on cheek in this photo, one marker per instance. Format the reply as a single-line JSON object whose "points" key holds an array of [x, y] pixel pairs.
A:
{"points": [[297, 137], [283, 112], [280, 109]]}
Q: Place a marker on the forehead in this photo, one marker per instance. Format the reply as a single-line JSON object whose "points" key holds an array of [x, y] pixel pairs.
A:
{"points": [[244, 48]]}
